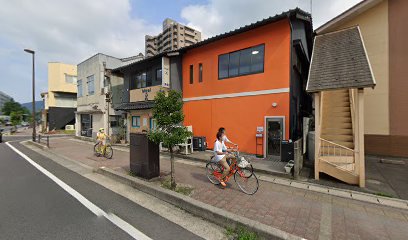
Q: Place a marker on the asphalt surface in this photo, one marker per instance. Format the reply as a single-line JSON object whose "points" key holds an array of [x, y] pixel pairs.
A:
{"points": [[32, 206]]}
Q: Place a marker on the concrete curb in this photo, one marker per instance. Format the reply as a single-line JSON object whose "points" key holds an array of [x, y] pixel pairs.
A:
{"points": [[208, 212], [349, 194], [36, 144]]}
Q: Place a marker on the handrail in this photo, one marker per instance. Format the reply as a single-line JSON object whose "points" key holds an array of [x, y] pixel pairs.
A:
{"points": [[337, 145]]}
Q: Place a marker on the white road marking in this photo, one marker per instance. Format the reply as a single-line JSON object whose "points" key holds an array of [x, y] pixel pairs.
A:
{"points": [[129, 229]]}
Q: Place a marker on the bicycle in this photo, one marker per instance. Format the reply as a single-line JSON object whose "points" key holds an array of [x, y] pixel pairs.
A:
{"points": [[108, 153], [244, 176]]}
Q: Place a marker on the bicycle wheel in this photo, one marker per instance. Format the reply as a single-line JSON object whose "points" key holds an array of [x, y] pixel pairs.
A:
{"points": [[97, 150], [248, 185], [212, 168], [108, 152], [247, 171]]}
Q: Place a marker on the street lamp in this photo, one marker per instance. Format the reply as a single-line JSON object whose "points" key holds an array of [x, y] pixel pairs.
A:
{"points": [[33, 107]]}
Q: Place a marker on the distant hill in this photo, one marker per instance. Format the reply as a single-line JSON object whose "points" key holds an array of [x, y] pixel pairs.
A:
{"points": [[39, 105]]}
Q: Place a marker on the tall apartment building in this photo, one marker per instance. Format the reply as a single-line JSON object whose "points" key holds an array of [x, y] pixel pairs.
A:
{"points": [[174, 36], [3, 99]]}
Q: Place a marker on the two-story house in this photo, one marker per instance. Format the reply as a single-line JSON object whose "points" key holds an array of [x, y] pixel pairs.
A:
{"points": [[98, 94], [60, 101], [251, 81], [142, 80]]}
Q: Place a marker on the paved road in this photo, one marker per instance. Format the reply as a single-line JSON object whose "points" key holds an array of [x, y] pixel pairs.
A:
{"points": [[32, 206]]}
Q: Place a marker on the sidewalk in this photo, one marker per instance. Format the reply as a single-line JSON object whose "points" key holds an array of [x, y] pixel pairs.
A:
{"points": [[384, 177], [301, 212]]}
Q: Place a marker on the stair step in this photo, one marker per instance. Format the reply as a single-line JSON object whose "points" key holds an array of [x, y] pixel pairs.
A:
{"points": [[338, 114], [339, 172], [328, 125], [338, 137], [334, 104], [337, 131], [340, 109]]}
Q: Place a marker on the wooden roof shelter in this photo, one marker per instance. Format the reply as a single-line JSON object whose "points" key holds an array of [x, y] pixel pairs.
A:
{"points": [[339, 72]]}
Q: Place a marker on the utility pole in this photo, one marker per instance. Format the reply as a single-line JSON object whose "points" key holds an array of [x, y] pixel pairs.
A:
{"points": [[33, 88]]}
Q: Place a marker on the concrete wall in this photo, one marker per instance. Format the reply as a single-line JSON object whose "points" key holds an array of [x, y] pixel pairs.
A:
{"points": [[89, 103], [56, 80]]}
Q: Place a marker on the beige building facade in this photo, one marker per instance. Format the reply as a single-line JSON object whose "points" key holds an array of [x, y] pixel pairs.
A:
{"points": [[385, 116], [60, 100], [173, 37]]}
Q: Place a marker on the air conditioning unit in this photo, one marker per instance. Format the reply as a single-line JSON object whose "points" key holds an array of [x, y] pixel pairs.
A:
{"points": [[69, 127]]}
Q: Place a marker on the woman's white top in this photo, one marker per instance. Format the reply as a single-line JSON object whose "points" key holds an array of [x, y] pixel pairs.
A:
{"points": [[218, 146]]}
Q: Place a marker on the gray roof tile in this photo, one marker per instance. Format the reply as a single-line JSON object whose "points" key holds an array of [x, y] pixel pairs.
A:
{"points": [[339, 61]]}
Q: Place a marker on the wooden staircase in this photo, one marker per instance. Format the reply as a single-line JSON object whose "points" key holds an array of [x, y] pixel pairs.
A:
{"points": [[337, 153]]}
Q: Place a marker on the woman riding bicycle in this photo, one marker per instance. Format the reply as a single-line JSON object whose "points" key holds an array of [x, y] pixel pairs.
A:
{"points": [[220, 156], [101, 137]]}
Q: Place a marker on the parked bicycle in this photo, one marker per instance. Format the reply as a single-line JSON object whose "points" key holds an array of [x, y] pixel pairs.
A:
{"points": [[108, 153], [243, 173]]}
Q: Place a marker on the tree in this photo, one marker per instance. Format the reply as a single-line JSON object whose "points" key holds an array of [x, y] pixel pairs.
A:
{"points": [[168, 113], [12, 106], [15, 118]]}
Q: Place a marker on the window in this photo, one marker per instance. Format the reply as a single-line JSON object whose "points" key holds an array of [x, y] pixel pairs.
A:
{"points": [[200, 72], [233, 66], [257, 59], [245, 61], [149, 79], [70, 78], [91, 84], [242, 62], [79, 88], [136, 121], [223, 66], [153, 124], [159, 76], [191, 74], [114, 121]]}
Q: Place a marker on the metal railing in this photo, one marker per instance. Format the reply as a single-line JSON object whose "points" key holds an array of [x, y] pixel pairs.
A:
{"points": [[328, 148], [46, 137]]}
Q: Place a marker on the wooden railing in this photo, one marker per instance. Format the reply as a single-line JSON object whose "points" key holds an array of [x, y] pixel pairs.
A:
{"points": [[328, 148]]}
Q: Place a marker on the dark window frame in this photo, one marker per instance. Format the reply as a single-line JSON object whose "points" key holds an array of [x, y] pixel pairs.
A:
{"points": [[135, 125], [240, 75], [200, 72], [191, 74]]}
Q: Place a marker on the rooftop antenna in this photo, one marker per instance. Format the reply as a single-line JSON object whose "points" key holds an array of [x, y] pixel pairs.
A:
{"points": [[311, 7]]}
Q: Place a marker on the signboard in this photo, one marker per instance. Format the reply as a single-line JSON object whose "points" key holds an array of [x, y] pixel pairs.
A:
{"points": [[259, 135], [166, 72], [259, 129]]}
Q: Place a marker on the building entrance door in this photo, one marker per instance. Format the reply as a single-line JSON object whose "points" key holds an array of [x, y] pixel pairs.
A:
{"points": [[86, 125], [274, 136]]}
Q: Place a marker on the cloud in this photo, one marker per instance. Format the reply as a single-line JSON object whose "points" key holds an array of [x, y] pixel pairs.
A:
{"points": [[63, 31], [218, 16]]}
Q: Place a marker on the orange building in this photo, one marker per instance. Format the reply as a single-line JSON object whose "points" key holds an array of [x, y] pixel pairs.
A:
{"points": [[250, 80]]}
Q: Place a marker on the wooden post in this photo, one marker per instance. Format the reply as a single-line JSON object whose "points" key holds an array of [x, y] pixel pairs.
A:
{"points": [[361, 136], [317, 133], [356, 133]]}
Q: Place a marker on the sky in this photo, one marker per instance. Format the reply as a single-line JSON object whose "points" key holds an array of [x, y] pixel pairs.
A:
{"points": [[71, 31]]}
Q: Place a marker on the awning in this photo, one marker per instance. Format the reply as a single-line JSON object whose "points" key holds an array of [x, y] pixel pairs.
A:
{"points": [[135, 106]]}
